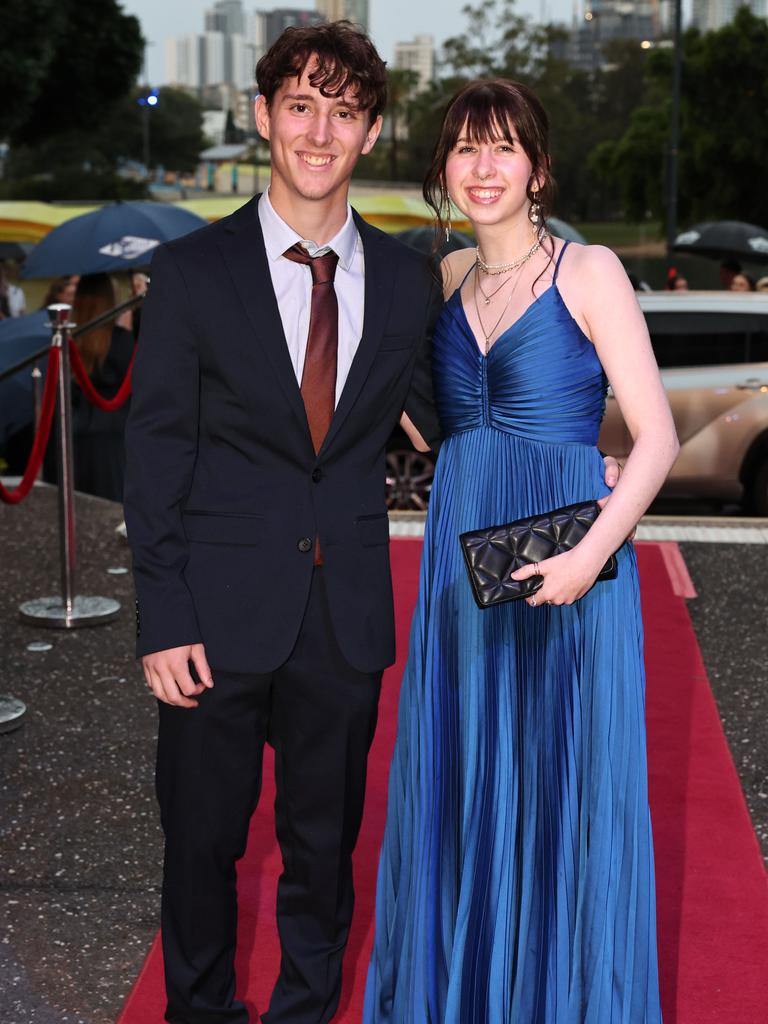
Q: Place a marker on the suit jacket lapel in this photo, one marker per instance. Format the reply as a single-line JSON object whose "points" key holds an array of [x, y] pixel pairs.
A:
{"points": [[242, 247], [379, 283]]}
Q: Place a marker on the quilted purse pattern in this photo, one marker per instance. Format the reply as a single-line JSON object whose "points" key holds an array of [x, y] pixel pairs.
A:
{"points": [[493, 553]]}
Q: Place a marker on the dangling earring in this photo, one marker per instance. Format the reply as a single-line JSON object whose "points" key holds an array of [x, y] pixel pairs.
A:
{"points": [[447, 219], [534, 213]]}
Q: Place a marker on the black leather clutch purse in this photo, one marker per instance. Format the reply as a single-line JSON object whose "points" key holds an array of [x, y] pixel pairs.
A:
{"points": [[495, 552]]}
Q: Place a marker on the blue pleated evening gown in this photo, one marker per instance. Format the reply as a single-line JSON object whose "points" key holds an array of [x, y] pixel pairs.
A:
{"points": [[516, 878]]}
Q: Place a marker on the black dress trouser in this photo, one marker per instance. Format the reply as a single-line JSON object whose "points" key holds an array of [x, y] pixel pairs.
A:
{"points": [[319, 715]]}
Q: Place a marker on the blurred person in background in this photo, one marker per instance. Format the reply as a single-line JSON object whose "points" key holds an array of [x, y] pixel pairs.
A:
{"points": [[762, 284], [106, 353], [728, 270], [742, 282], [675, 281], [61, 289], [97, 436], [12, 300], [139, 285]]}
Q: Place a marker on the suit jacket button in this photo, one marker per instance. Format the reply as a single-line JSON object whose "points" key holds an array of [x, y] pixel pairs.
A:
{"points": [[304, 545], [317, 475]]}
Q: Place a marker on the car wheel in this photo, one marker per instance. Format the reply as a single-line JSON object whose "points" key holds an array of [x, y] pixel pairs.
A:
{"points": [[758, 492], [409, 480]]}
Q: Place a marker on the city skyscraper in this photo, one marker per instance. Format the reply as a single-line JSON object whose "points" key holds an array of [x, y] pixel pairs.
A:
{"points": [[605, 20], [417, 55], [356, 11], [226, 16], [278, 20], [182, 61]]}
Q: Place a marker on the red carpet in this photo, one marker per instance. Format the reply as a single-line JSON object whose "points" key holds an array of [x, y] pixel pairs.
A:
{"points": [[712, 888]]}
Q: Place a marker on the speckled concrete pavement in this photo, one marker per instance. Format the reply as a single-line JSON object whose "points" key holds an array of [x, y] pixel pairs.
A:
{"points": [[730, 617], [80, 845]]}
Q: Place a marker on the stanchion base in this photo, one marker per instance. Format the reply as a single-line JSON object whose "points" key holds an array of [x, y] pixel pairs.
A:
{"points": [[12, 711], [86, 611]]}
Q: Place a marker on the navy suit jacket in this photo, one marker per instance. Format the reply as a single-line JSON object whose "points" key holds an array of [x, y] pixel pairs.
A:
{"points": [[224, 492]]}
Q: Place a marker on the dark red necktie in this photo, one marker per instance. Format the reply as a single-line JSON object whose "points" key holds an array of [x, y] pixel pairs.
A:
{"points": [[318, 378]]}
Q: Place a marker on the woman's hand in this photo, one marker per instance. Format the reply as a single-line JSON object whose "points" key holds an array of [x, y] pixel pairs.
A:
{"points": [[567, 577]]}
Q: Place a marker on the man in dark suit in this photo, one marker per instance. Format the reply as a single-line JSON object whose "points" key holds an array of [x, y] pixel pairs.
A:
{"points": [[279, 348]]}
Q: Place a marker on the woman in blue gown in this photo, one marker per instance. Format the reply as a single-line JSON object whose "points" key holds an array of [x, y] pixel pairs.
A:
{"points": [[516, 879]]}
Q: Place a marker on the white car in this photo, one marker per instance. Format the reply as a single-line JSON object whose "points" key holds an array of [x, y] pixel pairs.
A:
{"points": [[712, 348]]}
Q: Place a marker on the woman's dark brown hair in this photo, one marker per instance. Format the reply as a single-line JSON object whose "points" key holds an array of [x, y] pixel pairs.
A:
{"points": [[347, 60], [485, 111], [95, 295], [56, 289]]}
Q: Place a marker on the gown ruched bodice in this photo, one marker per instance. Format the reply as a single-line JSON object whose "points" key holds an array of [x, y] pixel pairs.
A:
{"points": [[516, 877], [541, 378]]}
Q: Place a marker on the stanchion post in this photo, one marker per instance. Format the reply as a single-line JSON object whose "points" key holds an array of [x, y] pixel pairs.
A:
{"points": [[70, 610], [37, 402], [65, 461]]}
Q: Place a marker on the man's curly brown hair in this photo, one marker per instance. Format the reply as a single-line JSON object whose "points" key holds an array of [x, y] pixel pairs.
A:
{"points": [[347, 62]]}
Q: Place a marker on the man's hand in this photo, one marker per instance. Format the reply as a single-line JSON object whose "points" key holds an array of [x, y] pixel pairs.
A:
{"points": [[612, 471], [612, 474], [168, 676]]}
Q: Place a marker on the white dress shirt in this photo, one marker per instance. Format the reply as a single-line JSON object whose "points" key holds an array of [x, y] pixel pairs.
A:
{"points": [[292, 284], [16, 301]]}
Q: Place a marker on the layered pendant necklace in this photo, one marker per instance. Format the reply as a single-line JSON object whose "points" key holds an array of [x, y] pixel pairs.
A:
{"points": [[512, 268]]}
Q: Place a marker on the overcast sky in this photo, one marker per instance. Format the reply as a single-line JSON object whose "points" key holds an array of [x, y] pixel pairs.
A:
{"points": [[391, 20]]}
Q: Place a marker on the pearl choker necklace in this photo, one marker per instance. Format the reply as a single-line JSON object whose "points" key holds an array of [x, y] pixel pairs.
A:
{"points": [[493, 269]]}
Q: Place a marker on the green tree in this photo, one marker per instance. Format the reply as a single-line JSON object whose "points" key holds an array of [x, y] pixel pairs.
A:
{"points": [[723, 127], [232, 134], [68, 68], [27, 48], [65, 66], [401, 86], [175, 130]]}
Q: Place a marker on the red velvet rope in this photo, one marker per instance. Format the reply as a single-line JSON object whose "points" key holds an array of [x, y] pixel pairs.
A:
{"points": [[43, 432], [93, 396]]}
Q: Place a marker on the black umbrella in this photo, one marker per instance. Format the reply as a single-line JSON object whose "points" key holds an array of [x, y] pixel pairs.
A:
{"points": [[725, 239], [423, 239]]}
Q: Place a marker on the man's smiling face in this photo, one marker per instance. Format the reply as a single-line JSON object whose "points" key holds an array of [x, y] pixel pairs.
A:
{"points": [[315, 140]]}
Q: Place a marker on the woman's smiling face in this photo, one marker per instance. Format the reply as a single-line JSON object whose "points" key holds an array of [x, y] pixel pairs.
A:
{"points": [[488, 179]]}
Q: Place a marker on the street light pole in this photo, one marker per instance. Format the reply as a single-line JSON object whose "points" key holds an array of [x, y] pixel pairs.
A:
{"points": [[147, 99], [674, 139], [150, 99], [145, 135]]}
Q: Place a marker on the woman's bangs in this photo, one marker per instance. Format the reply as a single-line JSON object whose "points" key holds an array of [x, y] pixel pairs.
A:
{"points": [[481, 119]]}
